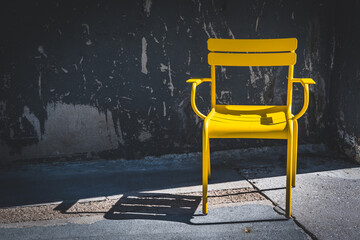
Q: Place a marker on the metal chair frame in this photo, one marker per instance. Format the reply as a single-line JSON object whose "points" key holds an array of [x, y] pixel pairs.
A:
{"points": [[252, 121]]}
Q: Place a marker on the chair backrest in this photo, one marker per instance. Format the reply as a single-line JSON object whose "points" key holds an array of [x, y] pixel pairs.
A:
{"points": [[251, 52]]}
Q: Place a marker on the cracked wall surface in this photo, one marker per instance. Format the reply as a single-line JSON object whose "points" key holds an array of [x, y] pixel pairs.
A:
{"points": [[109, 76]]}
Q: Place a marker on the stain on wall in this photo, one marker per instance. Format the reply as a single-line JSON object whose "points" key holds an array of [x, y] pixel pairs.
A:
{"points": [[109, 76]]}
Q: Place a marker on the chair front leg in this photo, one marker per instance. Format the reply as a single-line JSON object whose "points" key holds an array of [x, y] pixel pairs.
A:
{"points": [[289, 169], [205, 166]]}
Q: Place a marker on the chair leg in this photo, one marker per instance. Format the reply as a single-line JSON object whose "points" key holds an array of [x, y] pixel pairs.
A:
{"points": [[295, 146], [289, 170], [205, 168], [208, 156]]}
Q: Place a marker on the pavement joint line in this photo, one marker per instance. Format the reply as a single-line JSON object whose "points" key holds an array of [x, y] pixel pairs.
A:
{"points": [[313, 237], [305, 229]]}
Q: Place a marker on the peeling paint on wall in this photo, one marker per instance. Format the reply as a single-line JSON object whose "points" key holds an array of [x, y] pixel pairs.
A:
{"points": [[144, 56], [170, 84], [147, 7], [42, 51], [70, 129], [30, 117]]}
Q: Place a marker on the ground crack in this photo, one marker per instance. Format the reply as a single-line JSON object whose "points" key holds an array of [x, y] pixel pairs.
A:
{"points": [[277, 208]]}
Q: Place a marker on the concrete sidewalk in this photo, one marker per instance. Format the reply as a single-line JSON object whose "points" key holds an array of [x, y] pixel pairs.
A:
{"points": [[160, 197]]}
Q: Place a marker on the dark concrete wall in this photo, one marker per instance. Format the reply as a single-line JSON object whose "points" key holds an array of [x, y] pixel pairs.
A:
{"points": [[108, 77], [345, 79]]}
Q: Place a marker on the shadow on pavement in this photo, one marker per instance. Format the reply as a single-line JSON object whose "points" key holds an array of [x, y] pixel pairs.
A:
{"points": [[183, 208], [169, 207]]}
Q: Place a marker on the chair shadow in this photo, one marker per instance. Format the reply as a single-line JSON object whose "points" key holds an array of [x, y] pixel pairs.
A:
{"points": [[154, 206], [166, 207]]}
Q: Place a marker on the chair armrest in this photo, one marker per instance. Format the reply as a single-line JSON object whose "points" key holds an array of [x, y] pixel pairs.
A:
{"points": [[196, 82], [304, 80], [305, 83]]}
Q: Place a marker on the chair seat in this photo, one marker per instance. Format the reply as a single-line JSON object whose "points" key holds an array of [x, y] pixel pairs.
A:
{"points": [[237, 121]]}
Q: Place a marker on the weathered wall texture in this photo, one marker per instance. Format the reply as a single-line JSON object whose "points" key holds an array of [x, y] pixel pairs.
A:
{"points": [[85, 77], [345, 79]]}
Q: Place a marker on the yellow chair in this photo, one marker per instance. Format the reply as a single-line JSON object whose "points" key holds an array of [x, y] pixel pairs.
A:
{"points": [[250, 121]]}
